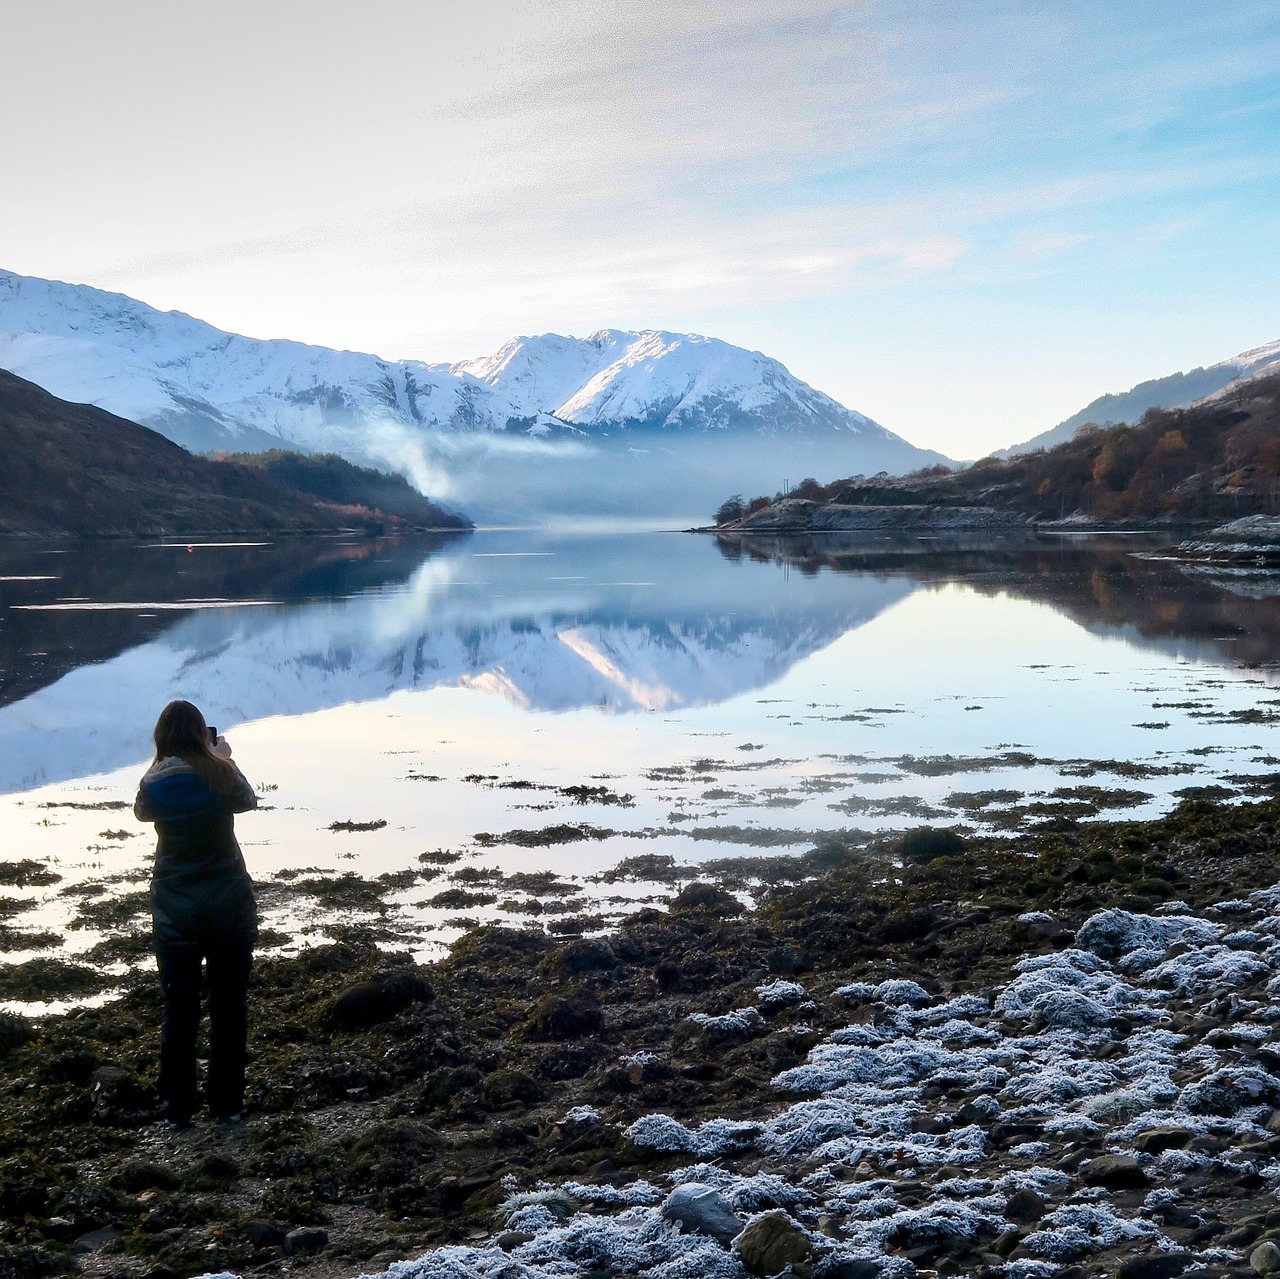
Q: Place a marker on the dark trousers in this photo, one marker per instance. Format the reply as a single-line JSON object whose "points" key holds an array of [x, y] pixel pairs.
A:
{"points": [[228, 962]]}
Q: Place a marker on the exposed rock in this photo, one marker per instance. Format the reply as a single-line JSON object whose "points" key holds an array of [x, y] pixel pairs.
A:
{"points": [[96, 1239], [557, 1016], [1151, 1141], [1004, 1244], [1265, 1258], [369, 1003], [1158, 1265], [1244, 1234], [1041, 926], [265, 1234], [704, 1211], [1025, 1206], [509, 1239], [305, 1240], [1115, 1172], [1250, 536], [771, 1242], [799, 515]]}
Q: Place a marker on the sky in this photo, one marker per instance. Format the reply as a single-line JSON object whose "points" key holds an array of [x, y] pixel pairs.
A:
{"points": [[964, 219]]}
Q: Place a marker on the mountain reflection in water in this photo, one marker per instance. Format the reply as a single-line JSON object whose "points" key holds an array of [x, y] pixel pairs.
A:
{"points": [[623, 623]]}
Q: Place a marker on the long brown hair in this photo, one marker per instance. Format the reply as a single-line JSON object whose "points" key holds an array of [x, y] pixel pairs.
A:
{"points": [[181, 733]]}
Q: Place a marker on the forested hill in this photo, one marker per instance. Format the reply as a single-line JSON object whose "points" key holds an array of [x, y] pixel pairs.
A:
{"points": [[76, 469], [333, 479], [1212, 461]]}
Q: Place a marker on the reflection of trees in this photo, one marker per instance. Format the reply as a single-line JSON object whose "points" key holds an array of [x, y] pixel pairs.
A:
{"points": [[1096, 582], [38, 648]]}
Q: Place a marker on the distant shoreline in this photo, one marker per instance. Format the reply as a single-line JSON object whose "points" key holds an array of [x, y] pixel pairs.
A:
{"points": [[797, 516], [186, 535]]}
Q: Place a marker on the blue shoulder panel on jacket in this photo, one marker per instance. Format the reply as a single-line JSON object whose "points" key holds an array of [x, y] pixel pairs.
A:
{"points": [[182, 794]]}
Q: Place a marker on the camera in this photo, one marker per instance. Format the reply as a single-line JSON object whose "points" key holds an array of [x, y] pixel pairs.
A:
{"points": [[213, 735]]}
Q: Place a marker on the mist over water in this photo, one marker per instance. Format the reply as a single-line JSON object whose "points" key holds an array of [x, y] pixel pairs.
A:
{"points": [[500, 477]]}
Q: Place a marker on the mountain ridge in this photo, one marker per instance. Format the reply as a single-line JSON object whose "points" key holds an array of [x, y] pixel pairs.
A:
{"points": [[1173, 391]]}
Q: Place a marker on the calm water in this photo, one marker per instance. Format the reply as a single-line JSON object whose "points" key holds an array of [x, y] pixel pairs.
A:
{"points": [[715, 701]]}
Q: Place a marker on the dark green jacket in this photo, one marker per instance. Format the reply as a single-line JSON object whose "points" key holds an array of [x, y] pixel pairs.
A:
{"points": [[200, 888]]}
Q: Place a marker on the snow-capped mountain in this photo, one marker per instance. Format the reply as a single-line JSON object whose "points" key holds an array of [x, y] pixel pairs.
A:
{"points": [[1176, 391], [614, 379], [208, 389], [478, 432]]}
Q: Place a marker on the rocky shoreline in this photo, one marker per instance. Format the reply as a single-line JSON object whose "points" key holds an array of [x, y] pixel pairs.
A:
{"points": [[1052, 1054], [798, 515], [1250, 539], [1253, 538]]}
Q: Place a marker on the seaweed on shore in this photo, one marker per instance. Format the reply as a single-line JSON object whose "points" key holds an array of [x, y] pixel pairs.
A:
{"points": [[561, 833], [27, 874], [946, 765], [46, 978]]}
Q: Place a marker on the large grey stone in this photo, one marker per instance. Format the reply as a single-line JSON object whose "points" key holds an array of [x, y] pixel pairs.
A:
{"points": [[96, 1239], [1025, 1206], [1265, 1258], [1156, 1265], [770, 1243], [304, 1240], [1115, 1172], [704, 1211], [265, 1234], [1151, 1141]]}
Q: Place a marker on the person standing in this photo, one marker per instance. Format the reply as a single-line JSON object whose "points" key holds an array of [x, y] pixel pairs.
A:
{"points": [[202, 911]]}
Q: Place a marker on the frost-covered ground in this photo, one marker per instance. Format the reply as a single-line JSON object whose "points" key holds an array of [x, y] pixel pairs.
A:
{"points": [[1114, 1102]]}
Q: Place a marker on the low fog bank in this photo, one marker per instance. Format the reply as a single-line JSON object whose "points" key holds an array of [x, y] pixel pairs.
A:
{"points": [[501, 478]]}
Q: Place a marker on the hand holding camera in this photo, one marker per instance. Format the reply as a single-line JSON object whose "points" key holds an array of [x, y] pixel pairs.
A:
{"points": [[218, 746]]}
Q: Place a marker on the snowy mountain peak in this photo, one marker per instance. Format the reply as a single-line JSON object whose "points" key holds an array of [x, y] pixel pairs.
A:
{"points": [[1258, 360], [654, 378]]}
